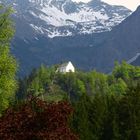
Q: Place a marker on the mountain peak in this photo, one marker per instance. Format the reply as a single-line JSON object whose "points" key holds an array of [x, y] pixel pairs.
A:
{"points": [[138, 9], [95, 2], [136, 13]]}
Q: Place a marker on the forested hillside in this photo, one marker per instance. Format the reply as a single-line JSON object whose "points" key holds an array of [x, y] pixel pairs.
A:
{"points": [[106, 107]]}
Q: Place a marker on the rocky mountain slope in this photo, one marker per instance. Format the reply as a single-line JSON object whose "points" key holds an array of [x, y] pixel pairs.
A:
{"points": [[44, 36], [90, 51], [67, 18]]}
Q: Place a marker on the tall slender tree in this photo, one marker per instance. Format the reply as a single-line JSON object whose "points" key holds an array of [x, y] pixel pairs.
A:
{"points": [[8, 65]]}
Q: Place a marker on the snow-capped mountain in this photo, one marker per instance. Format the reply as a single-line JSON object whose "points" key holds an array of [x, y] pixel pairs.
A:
{"points": [[66, 18]]}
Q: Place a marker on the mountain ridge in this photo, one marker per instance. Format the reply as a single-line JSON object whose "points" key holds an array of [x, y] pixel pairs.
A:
{"points": [[87, 51], [53, 18]]}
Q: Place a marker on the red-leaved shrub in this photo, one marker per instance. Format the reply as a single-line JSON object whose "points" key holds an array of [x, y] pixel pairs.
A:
{"points": [[37, 120]]}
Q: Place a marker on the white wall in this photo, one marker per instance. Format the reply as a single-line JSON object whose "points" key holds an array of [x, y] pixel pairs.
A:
{"points": [[70, 67]]}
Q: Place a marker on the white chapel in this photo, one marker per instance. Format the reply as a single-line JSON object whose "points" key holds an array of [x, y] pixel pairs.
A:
{"points": [[66, 67]]}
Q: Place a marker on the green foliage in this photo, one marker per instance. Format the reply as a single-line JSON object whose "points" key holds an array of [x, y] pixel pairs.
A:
{"points": [[6, 26], [129, 114], [106, 107], [80, 122], [8, 64], [97, 83], [126, 71], [119, 87]]}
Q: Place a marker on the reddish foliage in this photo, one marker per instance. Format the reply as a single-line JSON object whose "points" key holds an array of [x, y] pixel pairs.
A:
{"points": [[37, 120]]}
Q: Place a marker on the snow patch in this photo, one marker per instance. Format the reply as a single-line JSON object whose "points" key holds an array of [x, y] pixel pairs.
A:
{"points": [[133, 58]]}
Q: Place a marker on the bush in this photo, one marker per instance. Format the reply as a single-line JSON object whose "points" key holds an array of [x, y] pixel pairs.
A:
{"points": [[35, 119]]}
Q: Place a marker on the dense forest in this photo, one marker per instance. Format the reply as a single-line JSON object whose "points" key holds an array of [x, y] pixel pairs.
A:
{"points": [[106, 107], [66, 106]]}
